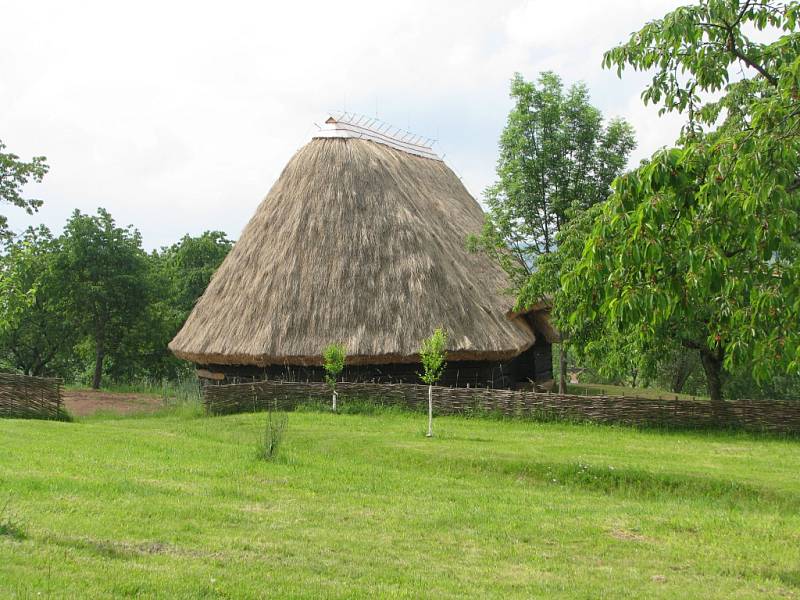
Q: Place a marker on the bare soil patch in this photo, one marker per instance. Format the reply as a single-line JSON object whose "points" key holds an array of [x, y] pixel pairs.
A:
{"points": [[87, 402]]}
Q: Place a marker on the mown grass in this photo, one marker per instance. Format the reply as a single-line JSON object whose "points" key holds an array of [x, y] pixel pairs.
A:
{"points": [[364, 505], [603, 389]]}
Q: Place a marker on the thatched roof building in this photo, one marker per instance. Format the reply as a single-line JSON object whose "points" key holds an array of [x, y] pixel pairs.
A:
{"points": [[361, 241]]}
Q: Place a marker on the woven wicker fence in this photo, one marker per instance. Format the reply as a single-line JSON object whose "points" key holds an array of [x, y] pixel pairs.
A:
{"points": [[29, 397], [752, 415]]}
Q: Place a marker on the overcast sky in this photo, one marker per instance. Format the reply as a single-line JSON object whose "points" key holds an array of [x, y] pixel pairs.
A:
{"points": [[179, 116]]}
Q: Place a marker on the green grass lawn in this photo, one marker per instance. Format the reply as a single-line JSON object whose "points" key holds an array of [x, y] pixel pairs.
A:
{"points": [[365, 505], [599, 389]]}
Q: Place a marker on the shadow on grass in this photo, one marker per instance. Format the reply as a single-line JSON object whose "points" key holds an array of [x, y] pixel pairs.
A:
{"points": [[113, 549], [11, 526], [628, 482], [790, 577], [63, 416]]}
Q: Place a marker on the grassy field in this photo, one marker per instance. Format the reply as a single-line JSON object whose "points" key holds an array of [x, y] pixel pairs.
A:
{"points": [[596, 389], [178, 505]]}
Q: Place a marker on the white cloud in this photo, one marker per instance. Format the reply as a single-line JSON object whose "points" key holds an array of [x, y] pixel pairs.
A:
{"points": [[178, 116]]}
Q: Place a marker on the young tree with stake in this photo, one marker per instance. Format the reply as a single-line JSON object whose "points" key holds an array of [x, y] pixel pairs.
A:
{"points": [[333, 357], [432, 355]]}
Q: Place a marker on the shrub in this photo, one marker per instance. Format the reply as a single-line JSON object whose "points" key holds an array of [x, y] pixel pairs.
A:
{"points": [[273, 434]]}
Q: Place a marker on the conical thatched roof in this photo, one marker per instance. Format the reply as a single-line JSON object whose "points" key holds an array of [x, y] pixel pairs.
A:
{"points": [[358, 243]]}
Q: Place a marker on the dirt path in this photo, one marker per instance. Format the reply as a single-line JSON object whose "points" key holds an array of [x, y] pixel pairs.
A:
{"points": [[86, 402]]}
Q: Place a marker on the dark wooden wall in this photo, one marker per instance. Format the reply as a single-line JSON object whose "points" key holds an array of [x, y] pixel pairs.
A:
{"points": [[533, 365]]}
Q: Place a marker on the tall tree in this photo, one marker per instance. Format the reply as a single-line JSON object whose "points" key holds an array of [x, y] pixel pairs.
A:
{"points": [[190, 263], [178, 275], [14, 175], [557, 158], [106, 282], [701, 245], [614, 356], [34, 333]]}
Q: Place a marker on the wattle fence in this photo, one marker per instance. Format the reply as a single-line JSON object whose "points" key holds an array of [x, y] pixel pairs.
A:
{"points": [[30, 397], [750, 415]]}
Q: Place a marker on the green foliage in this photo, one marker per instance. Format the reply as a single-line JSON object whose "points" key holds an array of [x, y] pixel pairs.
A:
{"points": [[781, 387], [180, 274], [188, 266], [556, 157], [700, 246], [92, 304], [106, 284], [14, 175], [333, 359], [432, 355], [35, 337]]}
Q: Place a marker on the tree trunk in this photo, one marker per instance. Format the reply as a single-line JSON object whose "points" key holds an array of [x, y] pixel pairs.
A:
{"points": [[682, 371], [562, 378], [712, 365], [430, 411], [99, 355], [334, 400]]}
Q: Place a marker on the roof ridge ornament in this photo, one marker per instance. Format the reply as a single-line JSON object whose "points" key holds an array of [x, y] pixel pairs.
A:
{"points": [[352, 125]]}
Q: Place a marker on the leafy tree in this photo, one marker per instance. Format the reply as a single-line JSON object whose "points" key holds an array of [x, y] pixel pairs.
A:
{"points": [[333, 359], [178, 275], [557, 158], [106, 283], [700, 245], [614, 357], [34, 334], [676, 367], [555, 155], [190, 264], [93, 293], [433, 354], [14, 174]]}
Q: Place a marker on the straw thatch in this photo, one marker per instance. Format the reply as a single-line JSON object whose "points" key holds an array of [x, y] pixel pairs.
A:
{"points": [[362, 244], [538, 315]]}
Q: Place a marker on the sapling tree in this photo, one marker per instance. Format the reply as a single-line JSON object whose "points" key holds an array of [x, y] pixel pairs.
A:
{"points": [[333, 357], [273, 433], [432, 354]]}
